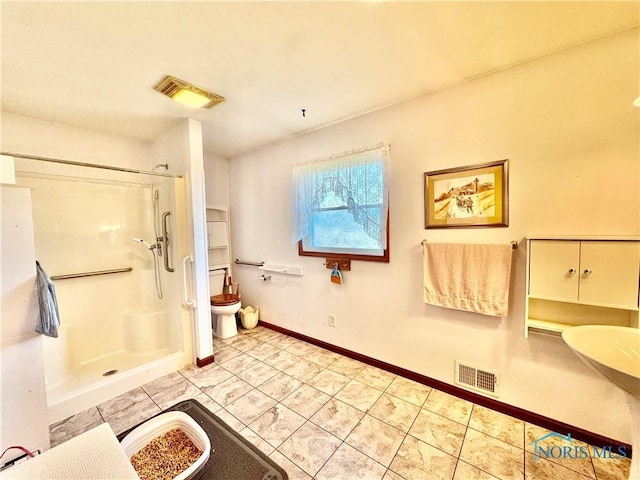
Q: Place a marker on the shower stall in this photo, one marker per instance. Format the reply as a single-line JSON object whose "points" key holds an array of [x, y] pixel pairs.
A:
{"points": [[109, 241]]}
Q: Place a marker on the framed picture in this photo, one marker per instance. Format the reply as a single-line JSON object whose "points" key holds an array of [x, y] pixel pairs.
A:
{"points": [[471, 196]]}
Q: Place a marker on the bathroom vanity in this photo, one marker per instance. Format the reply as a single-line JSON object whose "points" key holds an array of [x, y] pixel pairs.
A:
{"points": [[581, 281]]}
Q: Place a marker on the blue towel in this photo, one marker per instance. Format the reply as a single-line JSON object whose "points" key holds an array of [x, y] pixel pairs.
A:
{"points": [[48, 317]]}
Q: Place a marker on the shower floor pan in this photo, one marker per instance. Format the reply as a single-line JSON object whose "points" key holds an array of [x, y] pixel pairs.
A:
{"points": [[232, 456], [94, 370], [87, 386]]}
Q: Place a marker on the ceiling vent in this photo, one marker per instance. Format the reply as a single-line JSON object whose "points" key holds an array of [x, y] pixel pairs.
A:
{"points": [[187, 94], [476, 379]]}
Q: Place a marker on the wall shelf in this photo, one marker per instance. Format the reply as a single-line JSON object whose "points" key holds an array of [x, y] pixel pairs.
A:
{"points": [[284, 269], [546, 326], [222, 208], [217, 237], [218, 266]]}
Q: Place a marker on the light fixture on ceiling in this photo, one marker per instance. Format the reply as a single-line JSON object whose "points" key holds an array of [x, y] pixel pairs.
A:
{"points": [[637, 102], [187, 94]]}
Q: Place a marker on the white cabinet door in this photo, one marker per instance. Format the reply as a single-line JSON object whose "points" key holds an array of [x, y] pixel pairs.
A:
{"points": [[553, 269], [217, 234], [609, 273]]}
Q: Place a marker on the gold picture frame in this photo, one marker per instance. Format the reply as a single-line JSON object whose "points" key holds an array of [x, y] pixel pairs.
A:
{"points": [[470, 196]]}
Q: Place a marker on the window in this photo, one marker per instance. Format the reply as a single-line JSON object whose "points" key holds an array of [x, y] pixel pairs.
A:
{"points": [[340, 205]]}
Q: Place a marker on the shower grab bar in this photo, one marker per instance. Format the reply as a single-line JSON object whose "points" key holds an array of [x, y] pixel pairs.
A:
{"points": [[253, 264], [167, 241], [91, 274], [189, 302]]}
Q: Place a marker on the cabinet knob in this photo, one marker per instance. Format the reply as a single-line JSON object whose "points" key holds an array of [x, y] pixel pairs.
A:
{"points": [[587, 271], [572, 271]]}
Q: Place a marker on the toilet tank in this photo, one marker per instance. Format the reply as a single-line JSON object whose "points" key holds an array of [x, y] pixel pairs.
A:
{"points": [[216, 281]]}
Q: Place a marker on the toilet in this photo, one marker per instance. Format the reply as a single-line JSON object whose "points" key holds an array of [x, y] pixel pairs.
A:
{"points": [[224, 306]]}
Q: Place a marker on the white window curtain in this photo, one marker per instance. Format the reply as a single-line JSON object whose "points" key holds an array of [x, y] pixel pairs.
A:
{"points": [[351, 179]]}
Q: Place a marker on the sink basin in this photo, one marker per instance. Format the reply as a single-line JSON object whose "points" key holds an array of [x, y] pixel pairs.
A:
{"points": [[615, 353], [612, 351]]}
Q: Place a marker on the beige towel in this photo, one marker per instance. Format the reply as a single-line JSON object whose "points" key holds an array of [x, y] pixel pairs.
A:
{"points": [[468, 277]]}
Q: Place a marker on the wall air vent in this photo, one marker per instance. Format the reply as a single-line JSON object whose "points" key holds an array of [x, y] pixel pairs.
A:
{"points": [[480, 380], [187, 94]]}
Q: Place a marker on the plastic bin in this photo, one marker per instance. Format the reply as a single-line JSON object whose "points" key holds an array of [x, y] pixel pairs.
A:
{"points": [[156, 426]]}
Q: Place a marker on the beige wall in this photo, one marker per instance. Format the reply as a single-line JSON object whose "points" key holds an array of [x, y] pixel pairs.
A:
{"points": [[566, 124], [32, 136], [216, 181], [23, 402]]}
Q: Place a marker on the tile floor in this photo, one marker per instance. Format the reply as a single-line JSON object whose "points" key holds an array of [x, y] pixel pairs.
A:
{"points": [[324, 416]]}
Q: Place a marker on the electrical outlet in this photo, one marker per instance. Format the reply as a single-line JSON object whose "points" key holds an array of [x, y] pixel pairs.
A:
{"points": [[332, 320]]}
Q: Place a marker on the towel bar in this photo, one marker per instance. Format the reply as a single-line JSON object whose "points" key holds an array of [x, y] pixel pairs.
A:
{"points": [[514, 243], [91, 274]]}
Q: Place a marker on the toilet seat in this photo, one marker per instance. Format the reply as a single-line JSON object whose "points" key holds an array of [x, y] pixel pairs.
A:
{"points": [[224, 299], [223, 309]]}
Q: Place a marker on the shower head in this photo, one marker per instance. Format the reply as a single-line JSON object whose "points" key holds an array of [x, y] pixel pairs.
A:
{"points": [[140, 240], [159, 165]]}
